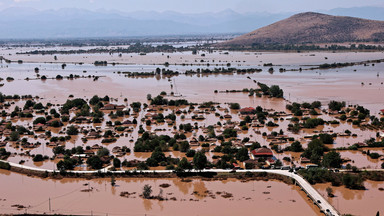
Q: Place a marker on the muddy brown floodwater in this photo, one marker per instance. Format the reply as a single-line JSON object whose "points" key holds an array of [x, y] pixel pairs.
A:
{"points": [[188, 198], [356, 202], [343, 84], [324, 85]]}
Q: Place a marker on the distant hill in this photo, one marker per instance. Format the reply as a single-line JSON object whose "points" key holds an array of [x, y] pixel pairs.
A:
{"points": [[313, 28]]}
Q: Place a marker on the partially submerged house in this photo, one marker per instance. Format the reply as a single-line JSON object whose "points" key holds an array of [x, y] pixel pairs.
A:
{"points": [[261, 152], [247, 111]]}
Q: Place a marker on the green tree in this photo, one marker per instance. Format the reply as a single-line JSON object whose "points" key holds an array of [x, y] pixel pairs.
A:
{"points": [[242, 154], [116, 162], [14, 136], [158, 155], [184, 146], [326, 138], [332, 159], [142, 166], [147, 191], [39, 120], [229, 132], [234, 106], [95, 162], [38, 158], [72, 130], [39, 105], [94, 100], [316, 105], [336, 106], [102, 152], [66, 164], [190, 153], [296, 147], [184, 164], [275, 91], [200, 160], [353, 181], [315, 151]]}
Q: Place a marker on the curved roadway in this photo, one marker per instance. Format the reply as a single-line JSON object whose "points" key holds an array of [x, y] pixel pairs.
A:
{"points": [[317, 198]]}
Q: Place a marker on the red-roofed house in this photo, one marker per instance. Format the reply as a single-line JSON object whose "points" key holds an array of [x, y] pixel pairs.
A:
{"points": [[247, 111], [262, 152], [109, 107], [120, 107]]}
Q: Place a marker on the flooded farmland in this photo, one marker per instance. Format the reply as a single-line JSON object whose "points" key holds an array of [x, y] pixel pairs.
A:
{"points": [[359, 84], [298, 86]]}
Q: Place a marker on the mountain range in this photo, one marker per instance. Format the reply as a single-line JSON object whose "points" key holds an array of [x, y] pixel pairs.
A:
{"points": [[22, 23]]}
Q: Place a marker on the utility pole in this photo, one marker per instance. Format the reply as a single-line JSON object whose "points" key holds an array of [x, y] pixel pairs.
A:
{"points": [[49, 204]]}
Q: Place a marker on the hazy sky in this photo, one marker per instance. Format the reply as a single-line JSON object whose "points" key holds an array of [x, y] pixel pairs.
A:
{"points": [[193, 6]]}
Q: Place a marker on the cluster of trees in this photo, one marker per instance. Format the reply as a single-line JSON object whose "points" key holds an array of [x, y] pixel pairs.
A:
{"points": [[4, 153], [148, 142], [4, 165], [229, 133], [39, 157], [273, 91], [100, 63], [295, 108], [336, 105], [96, 161], [319, 175], [98, 101], [13, 97], [313, 122], [78, 103], [235, 106], [132, 48], [160, 100], [222, 70], [68, 163], [315, 151], [18, 112], [295, 147]]}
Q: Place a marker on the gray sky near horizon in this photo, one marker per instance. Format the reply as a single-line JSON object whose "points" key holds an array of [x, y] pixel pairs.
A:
{"points": [[193, 6]]}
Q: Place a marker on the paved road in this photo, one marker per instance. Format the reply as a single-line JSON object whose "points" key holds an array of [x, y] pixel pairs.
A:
{"points": [[312, 192]]}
